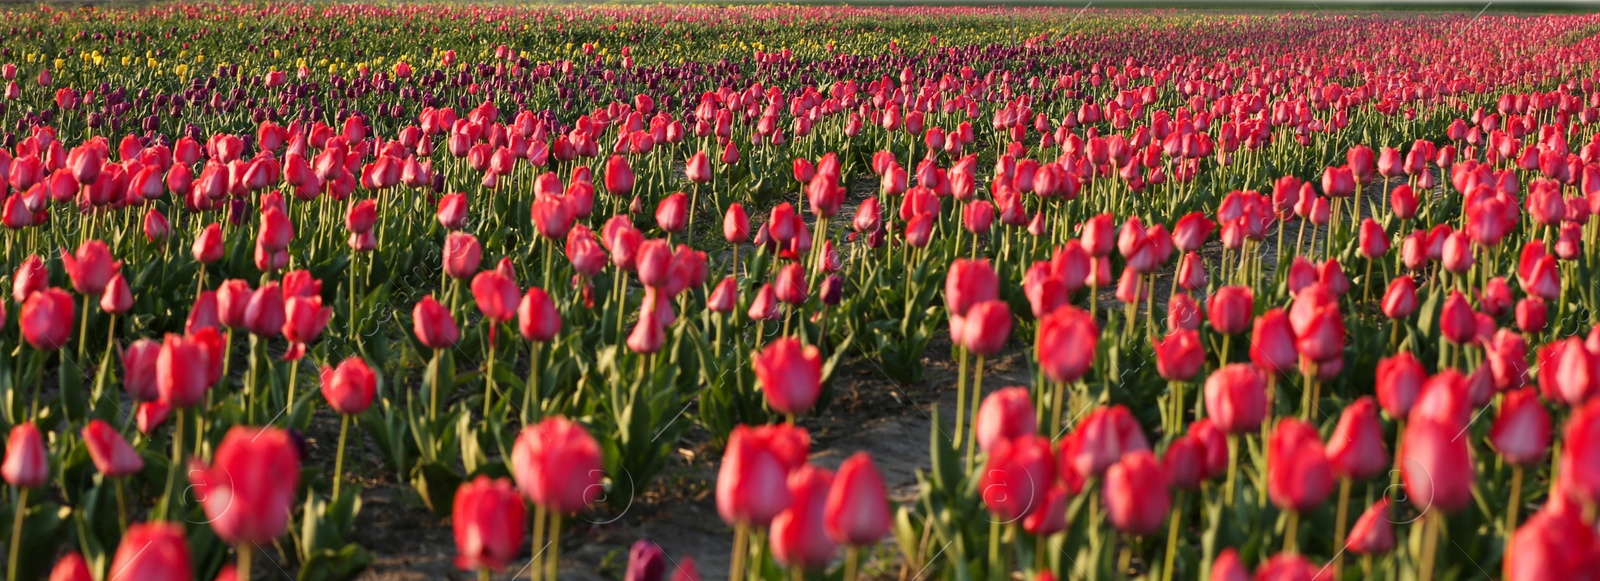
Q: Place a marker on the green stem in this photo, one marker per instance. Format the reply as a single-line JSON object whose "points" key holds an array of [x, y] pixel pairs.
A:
{"points": [[245, 553], [1172, 537], [338, 456], [972, 426], [741, 550], [177, 460], [16, 532], [536, 565], [1513, 503], [553, 563]]}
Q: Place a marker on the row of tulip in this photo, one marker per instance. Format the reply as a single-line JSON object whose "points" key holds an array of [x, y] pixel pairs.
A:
{"points": [[315, 217]]}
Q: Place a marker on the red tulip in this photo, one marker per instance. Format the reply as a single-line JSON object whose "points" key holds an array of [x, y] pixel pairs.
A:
{"points": [[1399, 381], [1578, 470], [619, 177], [182, 375], [156, 226], [1229, 310], [1532, 315], [91, 268], [1183, 313], [1236, 398], [1436, 465], [1569, 372], [452, 212], [1456, 253], [361, 217], [724, 297], [1098, 237], [1373, 533], [150, 415], [1135, 494], [31, 276], [1184, 462], [139, 369], [552, 216], [1227, 567], [672, 213], [1521, 432], [1400, 301], [1016, 476], [1051, 516], [968, 283], [1191, 232], [1355, 449], [71, 567], [276, 230], [1553, 544], [1338, 182], [1322, 339], [433, 325], [265, 314], [1456, 319], [1067, 341], [1272, 343], [233, 296], [1299, 476], [1286, 567], [537, 318], [1403, 200], [27, 464], [1360, 159], [1191, 272], [112, 455], [985, 327], [304, 319], [1005, 414], [1444, 398], [116, 299], [736, 224], [461, 255], [46, 319], [1374, 242], [698, 168], [350, 387], [488, 519], [799, 537], [752, 481], [249, 489], [153, 552], [1101, 437], [496, 295], [790, 374], [790, 285], [1180, 355], [557, 464], [857, 509]]}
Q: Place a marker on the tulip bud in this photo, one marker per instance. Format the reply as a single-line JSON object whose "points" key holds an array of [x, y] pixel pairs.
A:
{"points": [[1355, 449], [1016, 476], [1135, 494], [249, 489], [153, 551], [1005, 414], [1236, 399], [488, 519], [27, 464], [857, 508], [112, 455], [350, 387], [790, 374]]}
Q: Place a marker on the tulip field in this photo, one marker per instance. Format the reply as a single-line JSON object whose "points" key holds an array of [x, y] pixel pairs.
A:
{"points": [[332, 291]]}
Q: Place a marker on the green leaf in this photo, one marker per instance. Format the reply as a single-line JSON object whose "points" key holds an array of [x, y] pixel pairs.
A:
{"points": [[73, 398], [336, 565]]}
